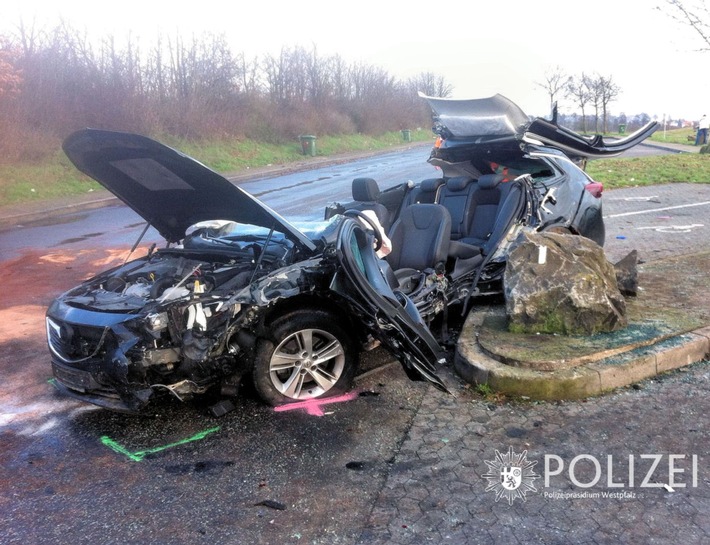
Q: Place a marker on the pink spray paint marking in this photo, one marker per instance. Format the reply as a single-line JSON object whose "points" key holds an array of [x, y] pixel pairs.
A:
{"points": [[314, 406]]}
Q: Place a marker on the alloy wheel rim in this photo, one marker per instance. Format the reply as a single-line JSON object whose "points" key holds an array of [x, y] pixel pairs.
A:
{"points": [[307, 364]]}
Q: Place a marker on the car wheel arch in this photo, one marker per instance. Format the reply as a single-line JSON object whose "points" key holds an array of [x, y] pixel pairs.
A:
{"points": [[314, 304]]}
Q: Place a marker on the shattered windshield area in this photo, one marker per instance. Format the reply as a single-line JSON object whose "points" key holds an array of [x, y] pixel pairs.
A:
{"points": [[241, 238]]}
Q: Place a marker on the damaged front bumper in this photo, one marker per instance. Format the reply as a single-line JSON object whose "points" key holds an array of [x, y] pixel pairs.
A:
{"points": [[111, 365], [82, 386]]}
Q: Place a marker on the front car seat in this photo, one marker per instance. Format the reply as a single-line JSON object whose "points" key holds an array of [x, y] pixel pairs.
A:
{"points": [[365, 194], [420, 240]]}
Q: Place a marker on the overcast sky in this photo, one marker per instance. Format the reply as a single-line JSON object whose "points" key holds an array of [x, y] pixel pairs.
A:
{"points": [[480, 47]]}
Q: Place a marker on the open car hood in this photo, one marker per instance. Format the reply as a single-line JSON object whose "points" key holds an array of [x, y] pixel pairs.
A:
{"points": [[167, 188], [495, 118]]}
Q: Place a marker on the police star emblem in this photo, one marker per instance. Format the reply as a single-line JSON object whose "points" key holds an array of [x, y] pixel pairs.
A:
{"points": [[511, 476]]}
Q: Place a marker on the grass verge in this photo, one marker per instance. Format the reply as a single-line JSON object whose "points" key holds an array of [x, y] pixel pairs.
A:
{"points": [[657, 169], [56, 177], [675, 136]]}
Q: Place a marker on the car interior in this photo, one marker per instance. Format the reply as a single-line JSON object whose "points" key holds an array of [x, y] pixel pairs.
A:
{"points": [[450, 226]]}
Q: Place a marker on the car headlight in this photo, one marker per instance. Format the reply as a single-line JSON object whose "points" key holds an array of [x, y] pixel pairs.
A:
{"points": [[157, 321]]}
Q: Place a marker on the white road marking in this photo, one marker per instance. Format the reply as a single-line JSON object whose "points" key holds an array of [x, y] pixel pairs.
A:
{"points": [[673, 228], [634, 199], [704, 203]]}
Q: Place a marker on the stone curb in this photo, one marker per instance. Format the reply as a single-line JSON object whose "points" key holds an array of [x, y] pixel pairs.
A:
{"points": [[669, 146], [54, 210], [476, 367]]}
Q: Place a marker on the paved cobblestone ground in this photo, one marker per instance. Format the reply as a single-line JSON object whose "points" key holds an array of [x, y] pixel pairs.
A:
{"points": [[436, 492]]}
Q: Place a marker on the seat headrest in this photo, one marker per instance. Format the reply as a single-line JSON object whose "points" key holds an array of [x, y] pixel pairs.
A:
{"points": [[431, 184], [489, 181], [365, 189], [458, 184]]}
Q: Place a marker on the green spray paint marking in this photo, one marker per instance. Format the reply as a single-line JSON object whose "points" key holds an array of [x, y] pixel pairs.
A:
{"points": [[140, 454]]}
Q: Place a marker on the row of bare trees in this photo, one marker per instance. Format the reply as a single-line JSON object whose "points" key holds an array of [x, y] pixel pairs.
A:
{"points": [[592, 94], [57, 80]]}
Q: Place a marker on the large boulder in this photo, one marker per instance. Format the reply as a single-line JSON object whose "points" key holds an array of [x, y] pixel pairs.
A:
{"points": [[556, 283]]}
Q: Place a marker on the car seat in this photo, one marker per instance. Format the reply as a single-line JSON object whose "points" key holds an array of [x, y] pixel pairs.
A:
{"points": [[457, 196], [420, 241], [427, 192], [365, 194], [485, 201]]}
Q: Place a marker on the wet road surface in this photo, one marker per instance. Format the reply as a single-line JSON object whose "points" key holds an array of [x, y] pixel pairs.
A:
{"points": [[298, 197]]}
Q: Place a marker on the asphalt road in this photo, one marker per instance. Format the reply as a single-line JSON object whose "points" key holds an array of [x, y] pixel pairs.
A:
{"points": [[300, 196], [71, 473]]}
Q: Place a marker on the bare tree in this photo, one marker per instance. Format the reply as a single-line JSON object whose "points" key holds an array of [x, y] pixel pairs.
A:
{"points": [[556, 82], [602, 91], [608, 92], [578, 90], [695, 14], [286, 76], [595, 98], [431, 84], [319, 73], [248, 75]]}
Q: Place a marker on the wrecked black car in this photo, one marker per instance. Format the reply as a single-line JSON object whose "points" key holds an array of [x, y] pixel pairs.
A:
{"points": [[241, 293], [249, 295], [501, 172]]}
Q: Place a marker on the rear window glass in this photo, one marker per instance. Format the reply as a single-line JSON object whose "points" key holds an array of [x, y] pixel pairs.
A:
{"points": [[513, 167]]}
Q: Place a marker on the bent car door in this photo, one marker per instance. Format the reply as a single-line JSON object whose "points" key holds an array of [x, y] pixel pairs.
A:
{"points": [[388, 315], [577, 146]]}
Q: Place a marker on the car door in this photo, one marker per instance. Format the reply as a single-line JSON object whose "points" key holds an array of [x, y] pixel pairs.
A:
{"points": [[577, 146], [388, 315]]}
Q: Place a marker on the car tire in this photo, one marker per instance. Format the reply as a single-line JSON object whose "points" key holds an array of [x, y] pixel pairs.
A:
{"points": [[308, 354]]}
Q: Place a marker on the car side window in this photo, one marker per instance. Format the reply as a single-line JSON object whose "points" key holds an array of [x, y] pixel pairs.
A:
{"points": [[355, 249]]}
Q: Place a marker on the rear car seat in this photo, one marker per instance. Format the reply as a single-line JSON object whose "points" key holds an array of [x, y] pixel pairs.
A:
{"points": [[486, 198]]}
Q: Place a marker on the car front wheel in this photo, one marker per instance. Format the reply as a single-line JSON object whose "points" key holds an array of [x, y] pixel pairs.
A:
{"points": [[308, 355]]}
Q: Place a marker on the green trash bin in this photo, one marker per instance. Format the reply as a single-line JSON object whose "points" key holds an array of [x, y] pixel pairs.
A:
{"points": [[406, 135], [308, 144], [622, 128]]}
